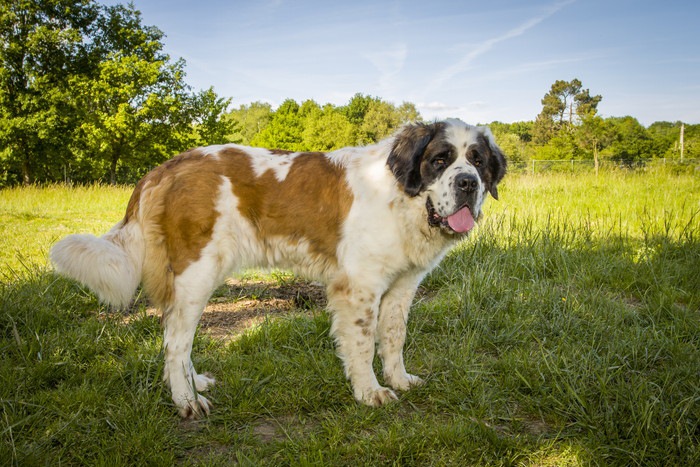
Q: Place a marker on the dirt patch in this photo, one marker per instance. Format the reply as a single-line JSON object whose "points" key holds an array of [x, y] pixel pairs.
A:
{"points": [[241, 304], [283, 428]]}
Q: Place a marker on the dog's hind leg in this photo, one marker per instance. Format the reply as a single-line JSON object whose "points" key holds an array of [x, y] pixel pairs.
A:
{"points": [[192, 290]]}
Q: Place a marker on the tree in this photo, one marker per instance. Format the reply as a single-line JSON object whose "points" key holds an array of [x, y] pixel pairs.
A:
{"points": [[42, 46], [382, 118], [563, 107], [310, 127], [593, 134], [210, 127], [327, 129], [560, 146], [87, 89], [136, 106], [630, 140], [407, 112], [512, 139], [666, 138], [358, 107], [284, 130], [249, 120]]}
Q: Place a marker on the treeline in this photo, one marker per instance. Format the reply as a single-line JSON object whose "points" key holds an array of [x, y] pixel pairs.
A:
{"points": [[621, 139], [569, 128], [87, 93], [311, 127]]}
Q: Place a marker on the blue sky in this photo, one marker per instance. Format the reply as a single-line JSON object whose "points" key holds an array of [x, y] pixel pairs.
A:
{"points": [[477, 60]]}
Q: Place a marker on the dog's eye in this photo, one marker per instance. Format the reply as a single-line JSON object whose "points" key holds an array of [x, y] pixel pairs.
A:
{"points": [[439, 162], [476, 159]]}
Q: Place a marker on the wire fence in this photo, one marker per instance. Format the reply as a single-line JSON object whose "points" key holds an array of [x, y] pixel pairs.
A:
{"points": [[535, 166]]}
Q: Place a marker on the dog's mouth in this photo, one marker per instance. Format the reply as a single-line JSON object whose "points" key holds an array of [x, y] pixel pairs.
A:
{"points": [[461, 221]]}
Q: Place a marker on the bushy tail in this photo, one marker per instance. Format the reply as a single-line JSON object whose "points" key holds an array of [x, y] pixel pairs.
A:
{"points": [[110, 265]]}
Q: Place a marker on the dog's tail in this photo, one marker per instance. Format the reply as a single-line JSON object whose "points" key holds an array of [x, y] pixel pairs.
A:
{"points": [[110, 265]]}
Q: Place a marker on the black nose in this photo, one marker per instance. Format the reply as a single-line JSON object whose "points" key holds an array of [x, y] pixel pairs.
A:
{"points": [[466, 182]]}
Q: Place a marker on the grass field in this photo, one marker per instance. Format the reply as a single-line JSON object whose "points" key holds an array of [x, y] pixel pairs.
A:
{"points": [[566, 331]]}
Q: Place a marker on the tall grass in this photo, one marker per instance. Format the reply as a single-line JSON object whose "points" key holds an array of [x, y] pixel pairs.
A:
{"points": [[33, 218], [565, 332]]}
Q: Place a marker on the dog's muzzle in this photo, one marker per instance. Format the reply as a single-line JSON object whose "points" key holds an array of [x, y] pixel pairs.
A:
{"points": [[462, 220]]}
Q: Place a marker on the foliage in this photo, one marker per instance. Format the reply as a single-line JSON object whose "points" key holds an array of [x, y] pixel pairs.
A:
{"points": [[249, 120], [310, 127], [326, 129], [86, 91], [562, 107], [134, 105], [366, 119], [284, 130], [630, 141], [208, 123], [42, 47], [565, 332]]}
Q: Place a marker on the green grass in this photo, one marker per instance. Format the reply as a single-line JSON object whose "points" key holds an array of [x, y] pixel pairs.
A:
{"points": [[565, 332], [32, 219]]}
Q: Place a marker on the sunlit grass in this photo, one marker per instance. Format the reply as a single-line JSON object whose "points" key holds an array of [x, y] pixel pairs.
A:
{"points": [[33, 218], [565, 332]]}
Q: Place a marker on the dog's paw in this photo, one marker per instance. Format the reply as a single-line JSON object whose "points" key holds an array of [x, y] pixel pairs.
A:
{"points": [[197, 408], [404, 382], [203, 381], [378, 397]]}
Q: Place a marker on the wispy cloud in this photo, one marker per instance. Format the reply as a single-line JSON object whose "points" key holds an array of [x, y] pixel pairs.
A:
{"points": [[481, 48], [389, 62]]}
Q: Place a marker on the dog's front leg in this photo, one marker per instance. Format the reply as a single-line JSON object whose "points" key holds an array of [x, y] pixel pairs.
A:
{"points": [[354, 314], [391, 331]]}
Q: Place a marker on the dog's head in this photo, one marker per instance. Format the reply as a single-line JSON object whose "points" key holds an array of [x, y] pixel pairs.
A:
{"points": [[451, 163]]}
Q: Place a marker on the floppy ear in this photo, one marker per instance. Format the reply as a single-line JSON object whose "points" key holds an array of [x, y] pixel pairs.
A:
{"points": [[407, 154], [496, 164]]}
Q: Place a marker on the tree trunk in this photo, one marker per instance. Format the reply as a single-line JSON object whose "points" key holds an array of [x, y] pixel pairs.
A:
{"points": [[113, 170], [571, 115], [26, 166], [595, 156], [26, 173]]}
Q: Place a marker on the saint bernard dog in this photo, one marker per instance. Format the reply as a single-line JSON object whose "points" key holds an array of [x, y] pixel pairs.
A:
{"points": [[369, 222]]}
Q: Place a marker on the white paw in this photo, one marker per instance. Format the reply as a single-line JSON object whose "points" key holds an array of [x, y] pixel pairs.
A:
{"points": [[203, 381], [378, 397], [404, 382], [197, 408]]}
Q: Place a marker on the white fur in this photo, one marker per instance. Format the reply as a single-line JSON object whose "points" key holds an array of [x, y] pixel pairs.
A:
{"points": [[109, 265]]}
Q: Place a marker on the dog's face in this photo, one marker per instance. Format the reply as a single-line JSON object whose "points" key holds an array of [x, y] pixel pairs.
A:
{"points": [[453, 164]]}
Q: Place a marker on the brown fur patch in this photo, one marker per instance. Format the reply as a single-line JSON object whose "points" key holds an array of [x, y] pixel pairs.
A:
{"points": [[310, 204], [175, 203], [341, 286]]}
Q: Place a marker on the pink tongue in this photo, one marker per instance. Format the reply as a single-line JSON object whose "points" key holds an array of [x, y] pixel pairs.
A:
{"points": [[461, 221]]}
